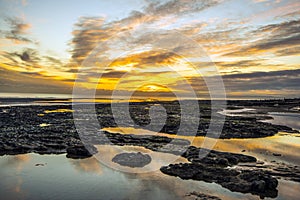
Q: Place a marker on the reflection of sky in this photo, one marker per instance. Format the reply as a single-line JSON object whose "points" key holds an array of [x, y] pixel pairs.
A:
{"points": [[62, 178], [288, 119], [262, 148]]}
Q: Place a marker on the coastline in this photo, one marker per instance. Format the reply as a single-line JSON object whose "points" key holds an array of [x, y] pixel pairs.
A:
{"points": [[41, 132]]}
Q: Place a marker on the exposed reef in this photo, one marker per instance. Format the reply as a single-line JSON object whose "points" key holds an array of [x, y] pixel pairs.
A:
{"points": [[132, 159]]}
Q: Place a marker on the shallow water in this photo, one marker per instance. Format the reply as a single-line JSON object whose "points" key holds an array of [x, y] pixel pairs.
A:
{"points": [[284, 118], [33, 176], [56, 177], [263, 148]]}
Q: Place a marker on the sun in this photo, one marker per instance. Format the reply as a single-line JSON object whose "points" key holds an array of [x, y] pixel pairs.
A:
{"points": [[153, 88]]}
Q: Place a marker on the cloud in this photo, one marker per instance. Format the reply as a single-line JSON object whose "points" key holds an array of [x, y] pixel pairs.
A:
{"points": [[179, 7], [292, 14], [225, 40], [89, 31], [276, 38], [27, 55], [13, 81], [258, 82], [28, 61], [18, 31], [282, 73], [293, 51]]}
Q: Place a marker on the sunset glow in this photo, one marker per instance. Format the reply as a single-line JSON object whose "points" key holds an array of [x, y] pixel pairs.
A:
{"points": [[253, 44]]}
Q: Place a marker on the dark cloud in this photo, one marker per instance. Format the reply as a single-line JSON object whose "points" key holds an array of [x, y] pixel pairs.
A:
{"points": [[275, 80], [72, 70], [88, 32], [240, 63], [26, 55], [11, 81], [113, 74], [277, 37], [289, 51], [272, 74], [250, 85]]}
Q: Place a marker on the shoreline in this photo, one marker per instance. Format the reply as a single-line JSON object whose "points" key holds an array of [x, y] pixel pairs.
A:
{"points": [[49, 129]]}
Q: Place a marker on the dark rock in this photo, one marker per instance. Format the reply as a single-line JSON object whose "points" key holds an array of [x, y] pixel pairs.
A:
{"points": [[215, 157], [245, 181], [132, 159], [40, 164], [81, 151], [202, 196]]}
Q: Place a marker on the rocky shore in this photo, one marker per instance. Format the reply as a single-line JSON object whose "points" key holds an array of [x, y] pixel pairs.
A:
{"points": [[218, 167], [51, 130]]}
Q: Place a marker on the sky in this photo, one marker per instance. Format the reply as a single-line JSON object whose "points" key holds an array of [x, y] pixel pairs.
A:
{"points": [[151, 49]]}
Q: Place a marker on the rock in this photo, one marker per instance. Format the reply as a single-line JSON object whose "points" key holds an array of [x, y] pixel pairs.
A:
{"points": [[259, 186], [276, 154], [216, 157], [40, 164], [81, 151], [245, 181], [202, 196], [132, 159]]}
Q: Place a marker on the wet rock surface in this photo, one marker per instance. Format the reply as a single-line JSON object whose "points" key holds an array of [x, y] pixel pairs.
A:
{"points": [[276, 169], [81, 151], [202, 196], [216, 167], [244, 181], [132, 159]]}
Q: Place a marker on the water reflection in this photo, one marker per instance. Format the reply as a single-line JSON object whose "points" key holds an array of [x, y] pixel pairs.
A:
{"points": [[58, 111], [88, 165], [262, 148], [14, 183], [288, 119], [64, 178], [107, 152]]}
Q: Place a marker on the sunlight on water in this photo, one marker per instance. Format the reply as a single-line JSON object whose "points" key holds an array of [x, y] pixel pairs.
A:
{"points": [[263, 148], [58, 111]]}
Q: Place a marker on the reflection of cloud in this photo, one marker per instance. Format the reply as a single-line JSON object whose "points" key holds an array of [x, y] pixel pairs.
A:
{"points": [[87, 165], [17, 162]]}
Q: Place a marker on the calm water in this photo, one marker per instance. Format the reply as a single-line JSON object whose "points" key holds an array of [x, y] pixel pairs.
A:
{"points": [[289, 119], [62, 178], [33, 176]]}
